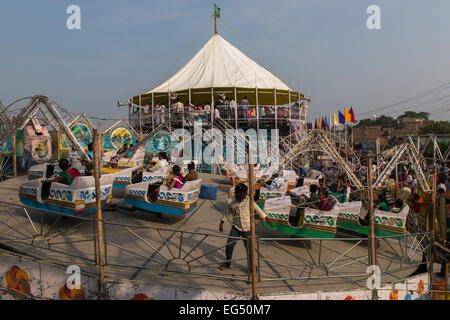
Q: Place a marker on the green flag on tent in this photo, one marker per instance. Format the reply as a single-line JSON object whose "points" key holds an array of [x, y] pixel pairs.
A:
{"points": [[216, 11]]}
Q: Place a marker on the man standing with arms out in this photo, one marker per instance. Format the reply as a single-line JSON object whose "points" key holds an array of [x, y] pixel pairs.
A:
{"points": [[238, 214]]}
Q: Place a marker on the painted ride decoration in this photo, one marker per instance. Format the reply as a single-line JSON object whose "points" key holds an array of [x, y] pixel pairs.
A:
{"points": [[37, 142], [82, 132], [117, 137], [311, 223], [75, 199], [354, 217], [51, 170]]}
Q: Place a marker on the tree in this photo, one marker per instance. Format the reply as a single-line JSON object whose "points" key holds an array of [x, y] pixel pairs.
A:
{"points": [[436, 127], [383, 121], [412, 114]]}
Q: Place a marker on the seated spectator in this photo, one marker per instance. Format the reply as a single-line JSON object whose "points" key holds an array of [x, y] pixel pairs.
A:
{"points": [[192, 175], [89, 168], [68, 174], [324, 203], [416, 203], [91, 151], [123, 149], [313, 200], [381, 203], [176, 181]]}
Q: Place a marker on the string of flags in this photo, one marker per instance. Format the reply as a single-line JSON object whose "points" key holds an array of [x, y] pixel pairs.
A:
{"points": [[328, 122]]}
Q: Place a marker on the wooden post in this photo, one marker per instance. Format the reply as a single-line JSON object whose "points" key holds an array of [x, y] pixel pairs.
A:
{"points": [[251, 196], [372, 247], [140, 117], [99, 219], [14, 154]]}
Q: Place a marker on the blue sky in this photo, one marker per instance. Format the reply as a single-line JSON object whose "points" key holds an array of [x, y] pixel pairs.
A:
{"points": [[321, 47]]}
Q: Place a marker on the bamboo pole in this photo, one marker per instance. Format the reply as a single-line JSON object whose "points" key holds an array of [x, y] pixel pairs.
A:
{"points": [[251, 196], [99, 219], [372, 247]]}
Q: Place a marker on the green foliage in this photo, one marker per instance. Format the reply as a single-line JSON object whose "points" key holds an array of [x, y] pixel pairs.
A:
{"points": [[383, 121], [436, 127], [412, 114]]}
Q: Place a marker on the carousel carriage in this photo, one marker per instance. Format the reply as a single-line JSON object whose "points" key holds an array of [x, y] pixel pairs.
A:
{"points": [[73, 200], [123, 168], [156, 197], [51, 170], [354, 217], [302, 222]]}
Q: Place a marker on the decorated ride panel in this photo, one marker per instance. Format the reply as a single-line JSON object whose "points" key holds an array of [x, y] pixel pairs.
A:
{"points": [[117, 137], [352, 216], [7, 147], [158, 198], [312, 223], [37, 142], [78, 198], [163, 141], [82, 132]]}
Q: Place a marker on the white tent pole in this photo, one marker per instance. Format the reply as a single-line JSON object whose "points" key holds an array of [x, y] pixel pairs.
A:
{"points": [[274, 95], [153, 107], [235, 99], [257, 122]]}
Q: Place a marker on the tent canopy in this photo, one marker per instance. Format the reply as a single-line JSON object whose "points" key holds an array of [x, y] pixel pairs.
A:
{"points": [[218, 68]]}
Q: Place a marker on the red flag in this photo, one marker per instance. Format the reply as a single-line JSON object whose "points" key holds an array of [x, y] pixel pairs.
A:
{"points": [[352, 115], [323, 124]]}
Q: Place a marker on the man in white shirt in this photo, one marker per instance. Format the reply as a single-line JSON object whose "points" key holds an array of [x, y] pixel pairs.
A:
{"points": [[238, 215]]}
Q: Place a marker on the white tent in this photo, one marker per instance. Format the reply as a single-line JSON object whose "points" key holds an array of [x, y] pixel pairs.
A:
{"points": [[220, 65]]}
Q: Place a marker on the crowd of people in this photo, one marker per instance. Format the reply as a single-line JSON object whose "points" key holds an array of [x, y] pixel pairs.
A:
{"points": [[224, 109]]}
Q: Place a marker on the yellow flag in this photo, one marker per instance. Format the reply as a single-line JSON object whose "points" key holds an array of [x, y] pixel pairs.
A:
{"points": [[348, 116], [336, 120]]}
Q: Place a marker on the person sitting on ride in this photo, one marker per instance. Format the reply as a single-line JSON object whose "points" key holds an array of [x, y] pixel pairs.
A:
{"points": [[192, 175], [313, 200], [324, 204], [340, 190], [416, 202], [321, 183], [399, 203], [89, 168], [68, 174], [130, 154], [123, 149], [381, 203], [176, 181], [90, 153]]}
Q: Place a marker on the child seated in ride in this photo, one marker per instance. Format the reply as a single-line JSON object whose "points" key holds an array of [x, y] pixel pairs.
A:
{"points": [[381, 203], [324, 204], [68, 174], [176, 181]]}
